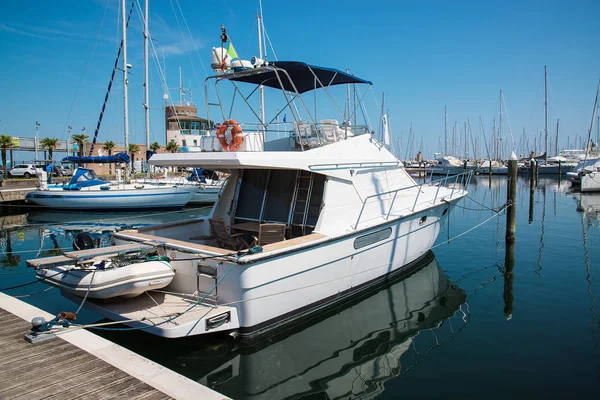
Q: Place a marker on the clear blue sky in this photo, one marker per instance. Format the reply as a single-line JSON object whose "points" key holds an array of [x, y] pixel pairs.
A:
{"points": [[57, 58]]}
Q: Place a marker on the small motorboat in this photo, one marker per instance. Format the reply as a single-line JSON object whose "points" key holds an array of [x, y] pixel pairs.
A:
{"points": [[107, 279]]}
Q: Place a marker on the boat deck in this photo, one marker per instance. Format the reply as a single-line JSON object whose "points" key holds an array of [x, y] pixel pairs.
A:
{"points": [[165, 314]]}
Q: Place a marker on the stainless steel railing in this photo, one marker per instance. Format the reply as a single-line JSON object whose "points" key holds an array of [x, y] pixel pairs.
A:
{"points": [[464, 177]]}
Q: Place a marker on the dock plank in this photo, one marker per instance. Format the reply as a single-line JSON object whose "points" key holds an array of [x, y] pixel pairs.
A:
{"points": [[59, 370]]}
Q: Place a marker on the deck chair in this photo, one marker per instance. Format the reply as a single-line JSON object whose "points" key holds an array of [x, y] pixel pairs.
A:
{"points": [[305, 134], [270, 233], [224, 238], [331, 130]]}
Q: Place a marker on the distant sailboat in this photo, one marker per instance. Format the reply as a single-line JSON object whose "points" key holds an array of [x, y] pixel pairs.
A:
{"points": [[86, 192]]}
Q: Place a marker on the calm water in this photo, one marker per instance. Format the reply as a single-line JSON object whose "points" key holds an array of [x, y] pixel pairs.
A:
{"points": [[468, 322]]}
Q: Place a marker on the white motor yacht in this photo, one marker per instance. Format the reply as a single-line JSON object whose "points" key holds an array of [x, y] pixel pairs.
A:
{"points": [[313, 212]]}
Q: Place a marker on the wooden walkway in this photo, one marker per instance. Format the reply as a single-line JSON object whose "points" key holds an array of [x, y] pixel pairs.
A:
{"points": [[56, 369]]}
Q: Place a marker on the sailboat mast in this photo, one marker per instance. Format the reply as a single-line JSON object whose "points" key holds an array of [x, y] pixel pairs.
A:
{"points": [[556, 144], [445, 131], [261, 88], [545, 114], [146, 95], [125, 82], [500, 125]]}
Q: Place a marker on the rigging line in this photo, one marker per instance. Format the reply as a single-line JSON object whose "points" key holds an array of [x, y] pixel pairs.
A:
{"points": [[85, 68], [110, 83], [512, 138], [193, 44], [270, 44], [162, 75]]}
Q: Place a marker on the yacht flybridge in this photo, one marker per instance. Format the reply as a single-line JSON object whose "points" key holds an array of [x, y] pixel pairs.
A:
{"points": [[314, 211]]}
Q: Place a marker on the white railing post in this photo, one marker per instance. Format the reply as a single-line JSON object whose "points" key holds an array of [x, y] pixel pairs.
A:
{"points": [[392, 205], [417, 199]]}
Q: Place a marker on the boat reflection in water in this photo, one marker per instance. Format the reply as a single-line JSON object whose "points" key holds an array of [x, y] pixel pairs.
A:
{"points": [[350, 351]]}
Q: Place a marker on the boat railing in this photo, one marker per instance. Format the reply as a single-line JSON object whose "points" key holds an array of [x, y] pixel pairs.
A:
{"points": [[305, 135], [464, 177]]}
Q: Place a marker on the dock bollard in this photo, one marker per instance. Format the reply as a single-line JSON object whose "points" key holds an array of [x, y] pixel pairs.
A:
{"points": [[511, 197]]}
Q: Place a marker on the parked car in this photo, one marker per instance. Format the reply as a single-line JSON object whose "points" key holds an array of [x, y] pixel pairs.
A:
{"points": [[26, 170]]}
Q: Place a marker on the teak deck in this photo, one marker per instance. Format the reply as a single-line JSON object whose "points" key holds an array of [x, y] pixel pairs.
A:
{"points": [[59, 370]]}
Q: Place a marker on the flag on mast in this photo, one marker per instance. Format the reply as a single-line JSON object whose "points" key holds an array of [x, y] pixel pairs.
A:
{"points": [[386, 129], [231, 51]]}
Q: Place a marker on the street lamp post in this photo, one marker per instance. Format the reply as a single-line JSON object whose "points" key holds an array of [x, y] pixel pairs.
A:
{"points": [[37, 125], [69, 139]]}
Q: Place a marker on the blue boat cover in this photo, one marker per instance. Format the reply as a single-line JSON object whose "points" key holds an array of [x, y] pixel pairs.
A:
{"points": [[301, 74], [115, 158], [197, 176], [83, 177]]}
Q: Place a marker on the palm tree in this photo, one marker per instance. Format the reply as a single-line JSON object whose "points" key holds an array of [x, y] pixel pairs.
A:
{"points": [[133, 148], [50, 144], [108, 146], [5, 143], [172, 147], [154, 146], [80, 139]]}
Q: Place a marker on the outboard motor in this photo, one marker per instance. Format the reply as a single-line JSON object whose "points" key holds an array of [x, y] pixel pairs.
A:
{"points": [[83, 241]]}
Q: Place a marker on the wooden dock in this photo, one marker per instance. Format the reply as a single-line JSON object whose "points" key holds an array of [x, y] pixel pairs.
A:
{"points": [[63, 368]]}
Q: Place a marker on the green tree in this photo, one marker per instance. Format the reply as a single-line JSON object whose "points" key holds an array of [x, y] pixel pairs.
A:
{"points": [[50, 144], [109, 146], [154, 146], [172, 147], [79, 140], [133, 148], [5, 143]]}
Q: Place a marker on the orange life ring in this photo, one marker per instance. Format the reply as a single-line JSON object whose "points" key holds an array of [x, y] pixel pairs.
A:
{"points": [[236, 138]]}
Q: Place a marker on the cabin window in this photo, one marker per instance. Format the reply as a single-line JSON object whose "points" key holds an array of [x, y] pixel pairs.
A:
{"points": [[286, 196], [251, 195], [280, 191], [374, 237]]}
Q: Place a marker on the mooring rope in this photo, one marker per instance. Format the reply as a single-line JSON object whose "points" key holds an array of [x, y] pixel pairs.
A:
{"points": [[473, 228]]}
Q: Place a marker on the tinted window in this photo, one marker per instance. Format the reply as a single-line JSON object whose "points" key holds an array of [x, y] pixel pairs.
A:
{"points": [[279, 195], [251, 193]]}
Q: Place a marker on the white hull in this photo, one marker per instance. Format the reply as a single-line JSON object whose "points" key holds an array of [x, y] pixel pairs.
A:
{"points": [[127, 282], [111, 199], [208, 195], [590, 182], [495, 170], [265, 291], [390, 318], [450, 170]]}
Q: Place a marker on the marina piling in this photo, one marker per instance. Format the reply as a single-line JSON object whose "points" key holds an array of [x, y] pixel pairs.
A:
{"points": [[490, 171], [511, 197], [559, 169], [509, 265], [531, 191]]}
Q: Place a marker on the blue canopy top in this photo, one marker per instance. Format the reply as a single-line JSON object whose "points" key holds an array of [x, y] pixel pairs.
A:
{"points": [[301, 74], [115, 158], [84, 177]]}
